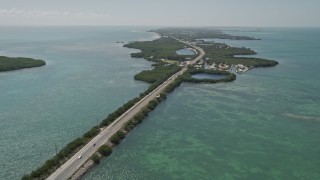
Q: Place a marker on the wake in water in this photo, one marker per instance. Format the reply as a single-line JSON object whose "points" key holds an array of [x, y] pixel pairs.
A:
{"points": [[309, 118]]}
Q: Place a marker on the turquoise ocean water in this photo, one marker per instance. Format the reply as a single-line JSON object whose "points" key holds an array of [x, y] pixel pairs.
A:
{"points": [[88, 75], [264, 125]]}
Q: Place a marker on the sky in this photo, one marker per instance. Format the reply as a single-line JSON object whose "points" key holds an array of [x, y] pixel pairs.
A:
{"points": [[161, 12]]}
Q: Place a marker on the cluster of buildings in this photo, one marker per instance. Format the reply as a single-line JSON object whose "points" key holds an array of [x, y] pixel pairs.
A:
{"points": [[239, 68]]}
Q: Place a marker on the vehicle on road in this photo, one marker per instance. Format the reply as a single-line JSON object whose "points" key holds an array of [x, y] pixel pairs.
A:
{"points": [[80, 157]]}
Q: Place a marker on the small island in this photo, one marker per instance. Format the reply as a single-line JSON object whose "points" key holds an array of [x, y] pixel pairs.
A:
{"points": [[192, 34], [159, 50], [15, 63], [223, 57], [220, 58]]}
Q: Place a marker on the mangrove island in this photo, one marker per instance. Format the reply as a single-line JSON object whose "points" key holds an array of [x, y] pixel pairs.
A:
{"points": [[15, 63]]}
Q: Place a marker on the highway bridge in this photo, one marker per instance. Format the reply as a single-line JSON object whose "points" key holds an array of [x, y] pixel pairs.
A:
{"points": [[77, 160]]}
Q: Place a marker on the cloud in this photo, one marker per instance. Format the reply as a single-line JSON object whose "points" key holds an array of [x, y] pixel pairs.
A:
{"points": [[51, 13], [17, 16]]}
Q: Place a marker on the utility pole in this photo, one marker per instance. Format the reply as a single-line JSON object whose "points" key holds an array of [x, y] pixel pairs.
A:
{"points": [[97, 122], [55, 148]]}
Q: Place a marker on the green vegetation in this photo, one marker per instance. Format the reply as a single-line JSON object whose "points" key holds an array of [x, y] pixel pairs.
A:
{"points": [[222, 53], [121, 134], [26, 177], [138, 118], [95, 158], [105, 150], [65, 153], [217, 52], [173, 85], [163, 48], [152, 104], [157, 76], [116, 138], [161, 72], [70, 149], [117, 113], [92, 132], [51, 164], [10, 64], [192, 34]]}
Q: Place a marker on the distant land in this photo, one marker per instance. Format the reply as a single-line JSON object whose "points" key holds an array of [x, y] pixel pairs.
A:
{"points": [[192, 34], [219, 56], [16, 63]]}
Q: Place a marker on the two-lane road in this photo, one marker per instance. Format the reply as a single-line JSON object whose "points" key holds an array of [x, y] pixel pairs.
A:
{"points": [[74, 163]]}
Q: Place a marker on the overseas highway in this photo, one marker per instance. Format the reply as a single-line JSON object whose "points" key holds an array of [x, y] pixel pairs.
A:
{"points": [[66, 170]]}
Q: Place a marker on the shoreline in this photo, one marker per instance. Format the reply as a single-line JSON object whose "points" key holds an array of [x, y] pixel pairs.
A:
{"points": [[89, 164], [167, 85], [147, 103], [8, 64]]}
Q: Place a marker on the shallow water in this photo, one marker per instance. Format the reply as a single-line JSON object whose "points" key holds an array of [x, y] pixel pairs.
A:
{"points": [[208, 76], [87, 76], [264, 125], [185, 52]]}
